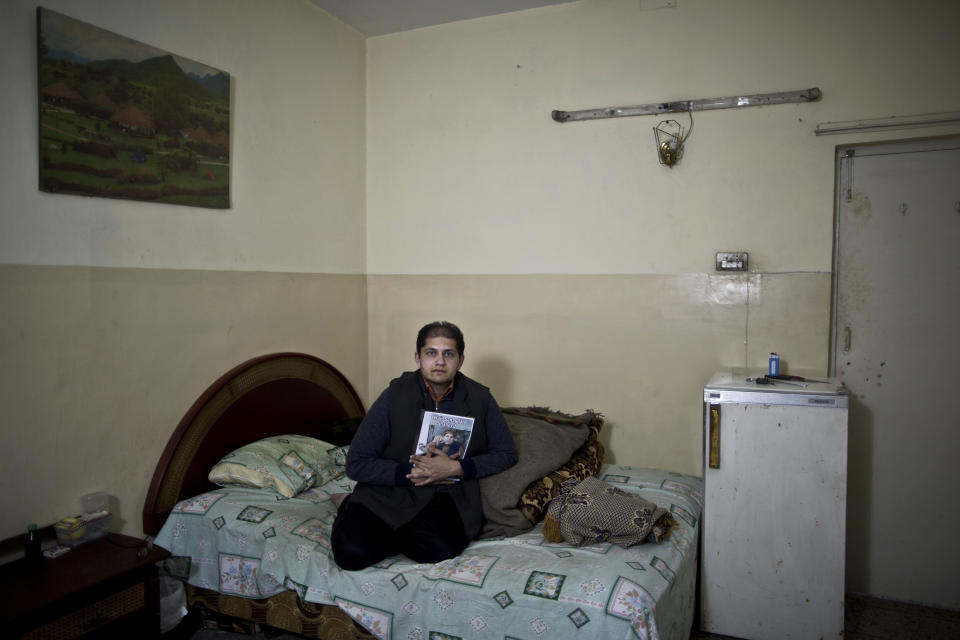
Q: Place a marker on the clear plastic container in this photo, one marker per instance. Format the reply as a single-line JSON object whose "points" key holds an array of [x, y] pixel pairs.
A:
{"points": [[82, 528], [95, 502]]}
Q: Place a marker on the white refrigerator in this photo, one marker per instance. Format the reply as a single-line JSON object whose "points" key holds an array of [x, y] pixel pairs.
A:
{"points": [[775, 491]]}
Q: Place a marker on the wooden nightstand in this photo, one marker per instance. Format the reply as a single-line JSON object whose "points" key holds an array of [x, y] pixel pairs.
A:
{"points": [[99, 589]]}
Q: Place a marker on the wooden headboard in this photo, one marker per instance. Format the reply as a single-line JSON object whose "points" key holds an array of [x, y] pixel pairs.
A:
{"points": [[270, 395]]}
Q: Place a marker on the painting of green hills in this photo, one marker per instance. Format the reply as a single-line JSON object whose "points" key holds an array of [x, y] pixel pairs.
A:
{"points": [[123, 119]]}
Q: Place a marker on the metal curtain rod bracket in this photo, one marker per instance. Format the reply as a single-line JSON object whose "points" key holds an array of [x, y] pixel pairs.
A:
{"points": [[682, 106]]}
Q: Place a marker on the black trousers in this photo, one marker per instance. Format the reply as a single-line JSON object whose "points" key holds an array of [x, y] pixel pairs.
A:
{"points": [[360, 538]]}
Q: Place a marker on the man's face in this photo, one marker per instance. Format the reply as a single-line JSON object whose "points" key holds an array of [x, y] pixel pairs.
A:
{"points": [[448, 438], [439, 361]]}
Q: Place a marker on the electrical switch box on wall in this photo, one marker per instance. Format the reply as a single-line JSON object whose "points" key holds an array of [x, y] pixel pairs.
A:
{"points": [[732, 261]]}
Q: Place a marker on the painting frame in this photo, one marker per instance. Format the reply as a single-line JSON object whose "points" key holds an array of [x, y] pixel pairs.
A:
{"points": [[122, 119]]}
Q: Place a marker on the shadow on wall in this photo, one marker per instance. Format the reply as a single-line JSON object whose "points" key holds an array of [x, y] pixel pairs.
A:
{"points": [[497, 374], [859, 495], [494, 373]]}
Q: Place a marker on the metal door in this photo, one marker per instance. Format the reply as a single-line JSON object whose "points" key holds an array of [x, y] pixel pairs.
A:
{"points": [[896, 345]]}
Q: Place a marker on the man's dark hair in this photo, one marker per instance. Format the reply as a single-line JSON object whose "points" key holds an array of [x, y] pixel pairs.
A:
{"points": [[440, 329]]}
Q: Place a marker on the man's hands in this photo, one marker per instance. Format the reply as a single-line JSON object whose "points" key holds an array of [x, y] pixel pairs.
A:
{"points": [[434, 467]]}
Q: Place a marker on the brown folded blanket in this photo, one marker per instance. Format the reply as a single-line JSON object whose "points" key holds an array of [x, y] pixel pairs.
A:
{"points": [[590, 511]]}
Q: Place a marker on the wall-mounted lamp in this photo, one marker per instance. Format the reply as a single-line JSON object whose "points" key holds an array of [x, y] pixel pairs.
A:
{"points": [[669, 134], [670, 139]]}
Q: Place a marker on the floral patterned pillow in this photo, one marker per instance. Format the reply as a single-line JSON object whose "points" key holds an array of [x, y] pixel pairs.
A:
{"points": [[585, 462], [288, 465]]}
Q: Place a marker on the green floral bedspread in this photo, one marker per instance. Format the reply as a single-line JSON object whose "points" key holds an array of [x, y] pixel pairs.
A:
{"points": [[254, 543]]}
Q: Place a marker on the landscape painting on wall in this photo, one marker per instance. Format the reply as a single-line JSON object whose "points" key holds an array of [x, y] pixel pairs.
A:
{"points": [[122, 119]]}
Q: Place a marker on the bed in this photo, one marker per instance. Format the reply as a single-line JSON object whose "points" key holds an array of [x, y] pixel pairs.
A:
{"points": [[255, 554]]}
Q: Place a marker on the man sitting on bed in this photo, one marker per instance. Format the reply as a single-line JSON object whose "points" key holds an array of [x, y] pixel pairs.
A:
{"points": [[426, 507]]}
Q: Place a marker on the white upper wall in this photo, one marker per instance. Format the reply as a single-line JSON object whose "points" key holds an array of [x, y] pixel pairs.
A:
{"points": [[297, 177], [468, 173]]}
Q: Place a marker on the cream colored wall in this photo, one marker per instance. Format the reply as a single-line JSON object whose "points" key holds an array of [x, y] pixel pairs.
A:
{"points": [[461, 145], [114, 315], [468, 175], [297, 155], [101, 363], [634, 347], [580, 269]]}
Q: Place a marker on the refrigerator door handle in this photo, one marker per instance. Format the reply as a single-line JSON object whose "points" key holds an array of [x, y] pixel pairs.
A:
{"points": [[714, 457]]}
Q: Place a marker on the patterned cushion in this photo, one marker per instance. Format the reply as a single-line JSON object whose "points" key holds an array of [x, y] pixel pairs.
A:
{"points": [[544, 440], [591, 511], [286, 464], [585, 462]]}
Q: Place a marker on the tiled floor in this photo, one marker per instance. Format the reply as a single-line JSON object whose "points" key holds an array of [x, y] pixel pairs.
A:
{"points": [[869, 618], [866, 619], [875, 619]]}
